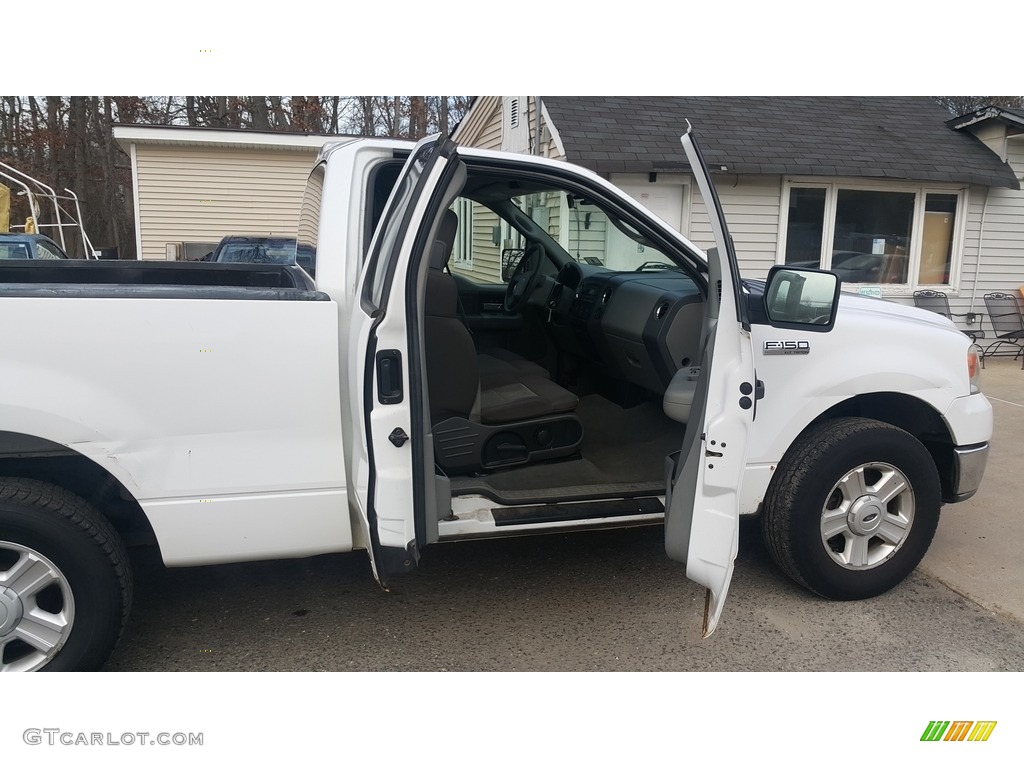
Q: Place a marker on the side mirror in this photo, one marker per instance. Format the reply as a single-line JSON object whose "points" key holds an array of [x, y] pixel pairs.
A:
{"points": [[802, 299]]}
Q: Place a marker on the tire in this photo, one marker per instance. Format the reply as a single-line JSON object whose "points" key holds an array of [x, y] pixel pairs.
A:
{"points": [[65, 580], [852, 508]]}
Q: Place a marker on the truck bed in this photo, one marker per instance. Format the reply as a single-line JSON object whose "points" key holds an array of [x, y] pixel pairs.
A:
{"points": [[143, 279]]}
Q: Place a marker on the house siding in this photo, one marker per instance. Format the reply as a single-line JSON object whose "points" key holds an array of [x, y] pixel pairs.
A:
{"points": [[200, 194], [490, 131], [960, 301], [480, 121], [483, 127], [751, 205], [993, 136], [1002, 241], [486, 266]]}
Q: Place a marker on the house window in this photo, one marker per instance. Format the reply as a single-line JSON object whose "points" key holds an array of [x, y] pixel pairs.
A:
{"points": [[902, 237], [806, 224], [872, 235], [937, 235], [462, 250]]}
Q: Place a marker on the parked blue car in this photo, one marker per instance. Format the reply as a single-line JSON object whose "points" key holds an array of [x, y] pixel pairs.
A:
{"points": [[19, 246]]}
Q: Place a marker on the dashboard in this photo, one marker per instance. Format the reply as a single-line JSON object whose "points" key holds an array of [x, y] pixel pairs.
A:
{"points": [[639, 327]]}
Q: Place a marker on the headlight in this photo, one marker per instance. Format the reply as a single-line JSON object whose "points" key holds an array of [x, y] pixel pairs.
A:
{"points": [[974, 370]]}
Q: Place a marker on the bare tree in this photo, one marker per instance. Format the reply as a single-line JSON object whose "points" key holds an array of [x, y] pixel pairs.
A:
{"points": [[259, 113], [441, 110], [68, 141], [368, 116], [961, 105], [417, 109]]}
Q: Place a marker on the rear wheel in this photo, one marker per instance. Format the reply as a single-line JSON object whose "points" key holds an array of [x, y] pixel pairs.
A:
{"points": [[852, 508], [65, 581]]}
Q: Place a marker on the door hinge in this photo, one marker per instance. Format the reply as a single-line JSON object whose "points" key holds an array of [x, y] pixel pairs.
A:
{"points": [[747, 389]]}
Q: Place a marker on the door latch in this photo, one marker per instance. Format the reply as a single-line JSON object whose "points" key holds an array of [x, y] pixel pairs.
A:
{"points": [[389, 376], [398, 437]]}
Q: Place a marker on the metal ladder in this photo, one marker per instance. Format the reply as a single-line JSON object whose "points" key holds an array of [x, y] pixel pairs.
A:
{"points": [[37, 191]]}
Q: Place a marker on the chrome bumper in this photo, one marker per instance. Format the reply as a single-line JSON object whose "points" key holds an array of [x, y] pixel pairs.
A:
{"points": [[968, 469]]}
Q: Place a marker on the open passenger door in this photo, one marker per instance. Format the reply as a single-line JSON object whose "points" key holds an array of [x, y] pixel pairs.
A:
{"points": [[385, 458], [702, 499]]}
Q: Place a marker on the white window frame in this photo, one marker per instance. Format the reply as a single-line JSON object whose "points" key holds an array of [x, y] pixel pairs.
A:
{"points": [[920, 192], [462, 249]]}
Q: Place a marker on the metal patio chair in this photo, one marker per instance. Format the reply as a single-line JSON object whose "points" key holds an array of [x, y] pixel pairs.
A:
{"points": [[938, 302], [1007, 323]]}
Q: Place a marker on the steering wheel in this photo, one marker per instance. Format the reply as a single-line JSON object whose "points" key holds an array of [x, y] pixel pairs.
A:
{"points": [[521, 283]]}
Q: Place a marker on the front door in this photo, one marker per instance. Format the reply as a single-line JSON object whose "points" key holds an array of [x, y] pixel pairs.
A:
{"points": [[386, 456], [702, 513], [702, 503]]}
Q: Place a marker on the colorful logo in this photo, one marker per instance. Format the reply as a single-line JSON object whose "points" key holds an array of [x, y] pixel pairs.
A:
{"points": [[958, 730]]}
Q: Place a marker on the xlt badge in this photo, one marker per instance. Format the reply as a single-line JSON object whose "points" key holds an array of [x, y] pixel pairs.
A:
{"points": [[787, 347]]}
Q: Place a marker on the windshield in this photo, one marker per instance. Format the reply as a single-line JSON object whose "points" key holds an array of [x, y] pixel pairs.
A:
{"points": [[500, 215], [592, 235]]}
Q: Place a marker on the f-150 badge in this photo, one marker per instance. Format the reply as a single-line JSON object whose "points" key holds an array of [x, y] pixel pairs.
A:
{"points": [[787, 347]]}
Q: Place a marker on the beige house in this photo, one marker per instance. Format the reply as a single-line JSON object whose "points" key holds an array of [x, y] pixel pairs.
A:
{"points": [[880, 189], [193, 186]]}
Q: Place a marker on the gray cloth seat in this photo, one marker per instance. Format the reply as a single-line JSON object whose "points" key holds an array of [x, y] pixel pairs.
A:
{"points": [[494, 364], [525, 397], [498, 364], [496, 388]]}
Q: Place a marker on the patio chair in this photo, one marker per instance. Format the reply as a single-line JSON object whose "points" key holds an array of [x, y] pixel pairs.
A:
{"points": [[1007, 323], [936, 301]]}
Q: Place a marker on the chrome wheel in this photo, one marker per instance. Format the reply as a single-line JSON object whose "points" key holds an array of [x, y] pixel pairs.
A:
{"points": [[867, 516], [37, 609]]}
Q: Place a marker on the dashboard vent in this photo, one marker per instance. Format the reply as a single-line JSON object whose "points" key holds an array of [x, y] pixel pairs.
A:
{"points": [[661, 310], [606, 295]]}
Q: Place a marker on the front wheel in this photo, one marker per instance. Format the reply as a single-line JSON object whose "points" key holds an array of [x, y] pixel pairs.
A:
{"points": [[852, 508], [65, 580]]}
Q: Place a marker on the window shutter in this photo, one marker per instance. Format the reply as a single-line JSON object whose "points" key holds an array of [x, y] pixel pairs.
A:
{"points": [[515, 125]]}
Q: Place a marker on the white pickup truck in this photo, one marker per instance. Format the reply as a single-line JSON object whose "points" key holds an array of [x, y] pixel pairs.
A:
{"points": [[494, 345]]}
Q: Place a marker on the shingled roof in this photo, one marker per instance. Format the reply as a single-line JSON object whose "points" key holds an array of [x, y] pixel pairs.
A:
{"points": [[893, 138]]}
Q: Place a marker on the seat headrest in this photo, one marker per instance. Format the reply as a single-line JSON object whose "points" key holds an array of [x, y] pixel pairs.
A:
{"points": [[442, 249]]}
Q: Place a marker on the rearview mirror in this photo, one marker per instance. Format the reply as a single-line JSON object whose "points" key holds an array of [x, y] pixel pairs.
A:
{"points": [[803, 299]]}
